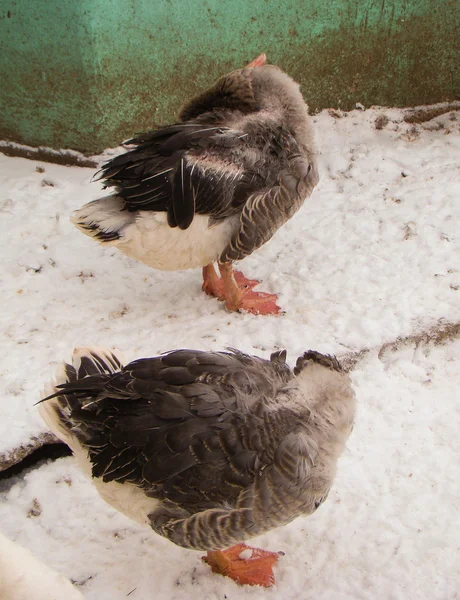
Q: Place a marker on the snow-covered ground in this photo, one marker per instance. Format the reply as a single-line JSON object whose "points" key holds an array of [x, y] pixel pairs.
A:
{"points": [[373, 256]]}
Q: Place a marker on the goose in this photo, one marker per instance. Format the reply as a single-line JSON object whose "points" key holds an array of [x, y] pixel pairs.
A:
{"points": [[213, 187], [208, 449]]}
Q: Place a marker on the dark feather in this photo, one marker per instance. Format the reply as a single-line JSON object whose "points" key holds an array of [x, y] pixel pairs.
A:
{"points": [[182, 208], [196, 167], [181, 423]]}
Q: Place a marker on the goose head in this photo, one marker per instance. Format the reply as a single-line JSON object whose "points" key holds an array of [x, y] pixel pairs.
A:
{"points": [[230, 92], [256, 88]]}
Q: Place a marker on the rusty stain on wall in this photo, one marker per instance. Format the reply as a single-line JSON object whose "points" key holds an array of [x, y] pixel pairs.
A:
{"points": [[90, 79]]}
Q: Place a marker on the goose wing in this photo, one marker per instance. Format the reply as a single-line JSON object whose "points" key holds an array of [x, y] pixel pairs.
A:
{"points": [[185, 169], [188, 426], [267, 209]]}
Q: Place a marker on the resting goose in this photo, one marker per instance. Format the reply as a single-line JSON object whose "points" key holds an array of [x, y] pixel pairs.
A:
{"points": [[213, 187], [209, 449]]}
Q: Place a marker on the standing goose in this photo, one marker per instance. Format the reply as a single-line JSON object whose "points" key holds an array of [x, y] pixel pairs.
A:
{"points": [[213, 187], [209, 449]]}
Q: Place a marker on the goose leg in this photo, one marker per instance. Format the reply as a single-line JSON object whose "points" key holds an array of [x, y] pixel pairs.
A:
{"points": [[244, 564], [212, 284], [239, 294]]}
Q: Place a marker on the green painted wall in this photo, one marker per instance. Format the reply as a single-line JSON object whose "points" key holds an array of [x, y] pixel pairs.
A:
{"points": [[86, 74]]}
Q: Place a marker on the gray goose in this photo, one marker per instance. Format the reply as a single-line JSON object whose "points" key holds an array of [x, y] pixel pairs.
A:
{"points": [[209, 449], [213, 187]]}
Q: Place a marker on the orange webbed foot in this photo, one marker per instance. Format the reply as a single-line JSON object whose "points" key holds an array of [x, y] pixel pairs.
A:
{"points": [[259, 303], [215, 289], [237, 291], [244, 564], [243, 282], [212, 283]]}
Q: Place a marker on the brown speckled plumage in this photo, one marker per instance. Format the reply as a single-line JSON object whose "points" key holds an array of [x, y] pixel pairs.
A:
{"points": [[224, 445]]}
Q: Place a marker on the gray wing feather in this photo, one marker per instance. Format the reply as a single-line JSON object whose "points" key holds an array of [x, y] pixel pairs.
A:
{"points": [[280, 493], [264, 213]]}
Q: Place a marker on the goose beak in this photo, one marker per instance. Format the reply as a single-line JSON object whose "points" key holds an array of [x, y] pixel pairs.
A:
{"points": [[257, 62]]}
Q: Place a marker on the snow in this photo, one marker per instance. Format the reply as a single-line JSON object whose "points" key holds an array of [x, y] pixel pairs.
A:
{"points": [[371, 258], [23, 577]]}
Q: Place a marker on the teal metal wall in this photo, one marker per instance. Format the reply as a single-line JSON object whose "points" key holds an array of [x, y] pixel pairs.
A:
{"points": [[85, 74]]}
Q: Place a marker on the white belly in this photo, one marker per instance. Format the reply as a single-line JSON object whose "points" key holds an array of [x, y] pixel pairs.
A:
{"points": [[127, 499], [150, 240]]}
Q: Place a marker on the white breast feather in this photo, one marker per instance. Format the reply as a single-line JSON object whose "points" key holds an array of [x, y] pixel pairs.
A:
{"points": [[147, 237], [151, 240]]}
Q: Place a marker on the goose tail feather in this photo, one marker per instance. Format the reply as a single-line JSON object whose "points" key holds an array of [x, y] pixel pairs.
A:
{"points": [[55, 407], [104, 220]]}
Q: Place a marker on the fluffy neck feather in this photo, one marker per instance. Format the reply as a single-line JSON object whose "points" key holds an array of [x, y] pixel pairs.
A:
{"points": [[325, 401]]}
